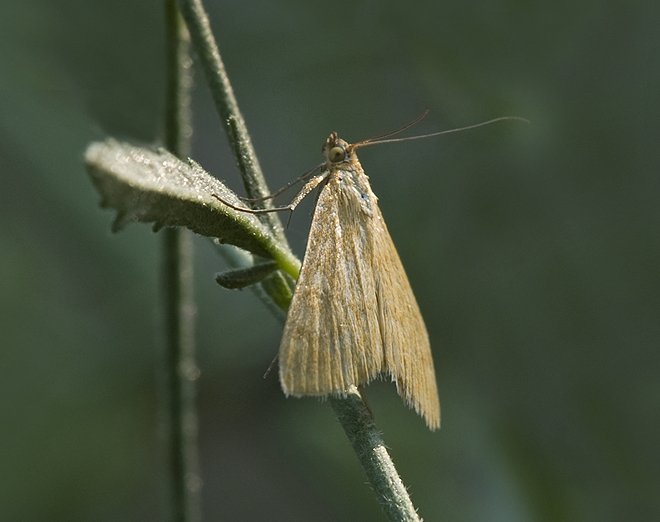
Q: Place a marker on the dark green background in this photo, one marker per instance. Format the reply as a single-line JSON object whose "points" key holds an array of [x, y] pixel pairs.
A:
{"points": [[534, 252]]}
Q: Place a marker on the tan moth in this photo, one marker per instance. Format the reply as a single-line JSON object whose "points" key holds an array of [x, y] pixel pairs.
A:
{"points": [[353, 316]]}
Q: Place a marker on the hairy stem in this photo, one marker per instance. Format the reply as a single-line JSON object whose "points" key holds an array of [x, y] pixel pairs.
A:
{"points": [[177, 280], [370, 449], [350, 410], [223, 95]]}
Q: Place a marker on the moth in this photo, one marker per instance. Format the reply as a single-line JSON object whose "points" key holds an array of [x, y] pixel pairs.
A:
{"points": [[353, 316]]}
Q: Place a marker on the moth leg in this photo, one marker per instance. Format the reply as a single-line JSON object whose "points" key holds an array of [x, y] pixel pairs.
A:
{"points": [[360, 390], [309, 186], [283, 189]]}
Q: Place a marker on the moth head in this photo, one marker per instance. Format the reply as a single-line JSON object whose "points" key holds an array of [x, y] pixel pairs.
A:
{"points": [[337, 151]]}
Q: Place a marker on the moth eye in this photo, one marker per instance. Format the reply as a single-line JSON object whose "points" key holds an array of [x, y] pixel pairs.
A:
{"points": [[337, 154]]}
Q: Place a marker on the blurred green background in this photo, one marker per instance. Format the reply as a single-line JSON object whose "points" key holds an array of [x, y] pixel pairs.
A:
{"points": [[534, 252]]}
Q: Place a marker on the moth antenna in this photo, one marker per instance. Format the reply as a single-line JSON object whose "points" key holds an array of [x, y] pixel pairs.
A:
{"points": [[406, 126], [376, 141]]}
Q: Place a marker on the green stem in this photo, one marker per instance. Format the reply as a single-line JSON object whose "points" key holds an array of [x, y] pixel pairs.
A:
{"points": [[369, 447], [223, 95], [181, 373], [178, 295], [351, 411], [239, 139]]}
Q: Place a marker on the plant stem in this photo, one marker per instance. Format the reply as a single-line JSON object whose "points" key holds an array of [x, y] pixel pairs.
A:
{"points": [[370, 449], [181, 374], [222, 92], [223, 95], [177, 288], [350, 410]]}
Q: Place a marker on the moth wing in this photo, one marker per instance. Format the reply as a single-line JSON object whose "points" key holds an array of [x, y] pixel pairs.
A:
{"points": [[332, 337], [408, 358], [353, 314]]}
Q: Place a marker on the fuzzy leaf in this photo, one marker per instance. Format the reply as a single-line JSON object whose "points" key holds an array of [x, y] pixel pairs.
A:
{"points": [[155, 186]]}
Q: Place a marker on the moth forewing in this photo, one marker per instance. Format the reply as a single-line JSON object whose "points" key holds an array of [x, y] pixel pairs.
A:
{"points": [[327, 344], [353, 315], [408, 358]]}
